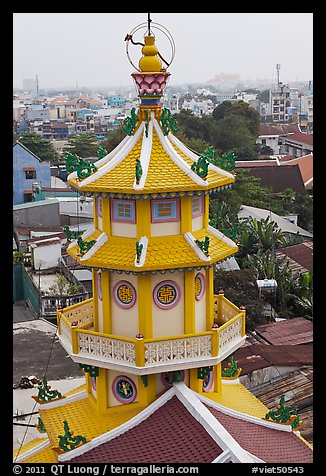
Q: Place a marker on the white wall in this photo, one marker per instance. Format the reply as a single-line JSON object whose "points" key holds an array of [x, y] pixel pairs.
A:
{"points": [[47, 256]]}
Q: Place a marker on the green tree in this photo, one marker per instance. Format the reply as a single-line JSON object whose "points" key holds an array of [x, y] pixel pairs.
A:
{"points": [[240, 109], [42, 148], [221, 110], [113, 139], [83, 145], [240, 287], [232, 133]]}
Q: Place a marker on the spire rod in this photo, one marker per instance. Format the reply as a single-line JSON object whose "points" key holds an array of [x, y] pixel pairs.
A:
{"points": [[149, 23]]}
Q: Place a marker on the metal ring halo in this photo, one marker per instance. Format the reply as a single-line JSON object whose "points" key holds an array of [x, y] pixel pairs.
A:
{"points": [[159, 27]]}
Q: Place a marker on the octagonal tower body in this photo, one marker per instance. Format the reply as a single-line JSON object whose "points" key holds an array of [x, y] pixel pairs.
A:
{"points": [[153, 318]]}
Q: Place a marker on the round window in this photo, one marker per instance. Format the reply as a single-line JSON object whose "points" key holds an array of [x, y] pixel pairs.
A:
{"points": [[99, 285], [166, 294], [124, 294], [200, 286]]}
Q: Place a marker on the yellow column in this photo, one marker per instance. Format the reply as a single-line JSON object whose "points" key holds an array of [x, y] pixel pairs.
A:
{"points": [[196, 384], [106, 219], [147, 394], [106, 303], [88, 382], [218, 379], [209, 298], [95, 299], [143, 218], [186, 214], [102, 390], [145, 305], [189, 302]]}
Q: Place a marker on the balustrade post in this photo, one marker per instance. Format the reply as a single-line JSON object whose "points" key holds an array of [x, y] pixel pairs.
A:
{"points": [[220, 305], [74, 341], [215, 341], [243, 323], [59, 321], [140, 352]]}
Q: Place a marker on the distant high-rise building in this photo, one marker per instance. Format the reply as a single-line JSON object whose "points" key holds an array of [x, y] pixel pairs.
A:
{"points": [[30, 85]]}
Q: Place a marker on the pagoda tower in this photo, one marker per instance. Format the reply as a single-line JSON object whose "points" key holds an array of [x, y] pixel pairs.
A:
{"points": [[153, 318], [152, 339]]}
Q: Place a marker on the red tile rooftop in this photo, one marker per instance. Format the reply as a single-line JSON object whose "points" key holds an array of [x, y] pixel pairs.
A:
{"points": [[170, 435], [266, 443], [186, 428]]}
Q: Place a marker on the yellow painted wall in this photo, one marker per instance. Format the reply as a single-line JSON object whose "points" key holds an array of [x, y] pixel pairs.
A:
{"points": [[124, 321], [164, 229], [124, 229], [167, 322], [112, 374]]}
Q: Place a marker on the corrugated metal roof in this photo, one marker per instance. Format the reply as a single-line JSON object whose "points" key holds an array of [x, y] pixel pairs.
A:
{"points": [[289, 331], [298, 389]]}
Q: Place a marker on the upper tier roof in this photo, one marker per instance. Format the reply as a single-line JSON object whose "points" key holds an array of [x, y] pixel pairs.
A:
{"points": [[165, 163]]}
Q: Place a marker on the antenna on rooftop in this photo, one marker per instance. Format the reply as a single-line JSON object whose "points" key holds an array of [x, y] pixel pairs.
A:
{"points": [[36, 77], [278, 67]]}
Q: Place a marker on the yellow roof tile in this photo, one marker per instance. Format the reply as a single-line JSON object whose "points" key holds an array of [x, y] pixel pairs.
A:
{"points": [[83, 419], [163, 175], [167, 252]]}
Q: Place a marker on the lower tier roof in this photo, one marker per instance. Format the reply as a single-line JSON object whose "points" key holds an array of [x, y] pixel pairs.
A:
{"points": [[162, 252]]}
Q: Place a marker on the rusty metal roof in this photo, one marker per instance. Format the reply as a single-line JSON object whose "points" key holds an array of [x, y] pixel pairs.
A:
{"points": [[298, 389], [300, 256], [297, 330]]}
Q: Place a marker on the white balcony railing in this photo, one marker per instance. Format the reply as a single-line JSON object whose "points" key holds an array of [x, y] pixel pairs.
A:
{"points": [[85, 345]]}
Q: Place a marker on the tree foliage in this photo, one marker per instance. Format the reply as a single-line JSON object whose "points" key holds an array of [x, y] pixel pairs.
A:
{"points": [[83, 145], [42, 148]]}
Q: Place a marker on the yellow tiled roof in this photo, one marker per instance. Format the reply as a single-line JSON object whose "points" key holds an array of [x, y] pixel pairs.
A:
{"points": [[163, 252], [163, 176]]}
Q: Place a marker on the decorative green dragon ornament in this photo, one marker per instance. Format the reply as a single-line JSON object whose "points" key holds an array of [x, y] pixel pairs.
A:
{"points": [[82, 166]]}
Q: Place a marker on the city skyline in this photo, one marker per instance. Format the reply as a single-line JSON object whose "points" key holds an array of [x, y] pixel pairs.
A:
{"points": [[89, 50]]}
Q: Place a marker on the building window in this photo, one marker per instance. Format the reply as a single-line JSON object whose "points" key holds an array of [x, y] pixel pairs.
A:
{"points": [[263, 141], [30, 173], [197, 206], [166, 294], [124, 294], [200, 286], [99, 285], [28, 196], [123, 211], [99, 206], [165, 210]]}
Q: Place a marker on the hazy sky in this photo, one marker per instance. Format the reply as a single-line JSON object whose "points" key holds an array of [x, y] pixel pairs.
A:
{"points": [[89, 48]]}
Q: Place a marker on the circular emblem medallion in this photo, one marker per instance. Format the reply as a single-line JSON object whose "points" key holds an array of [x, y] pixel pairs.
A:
{"points": [[124, 389], [208, 382], [124, 294], [166, 294], [200, 286]]}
